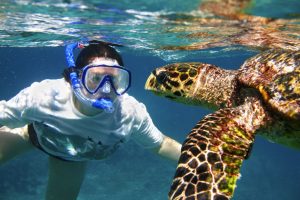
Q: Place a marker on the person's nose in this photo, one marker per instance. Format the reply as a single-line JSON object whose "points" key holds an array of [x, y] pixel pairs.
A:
{"points": [[106, 87]]}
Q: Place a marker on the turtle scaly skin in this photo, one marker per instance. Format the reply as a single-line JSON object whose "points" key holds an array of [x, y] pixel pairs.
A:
{"points": [[262, 97]]}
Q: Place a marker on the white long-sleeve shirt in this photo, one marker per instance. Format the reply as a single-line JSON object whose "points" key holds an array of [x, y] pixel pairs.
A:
{"points": [[65, 132]]}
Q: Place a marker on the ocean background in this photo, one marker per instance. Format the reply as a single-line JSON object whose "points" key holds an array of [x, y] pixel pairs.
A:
{"points": [[32, 36]]}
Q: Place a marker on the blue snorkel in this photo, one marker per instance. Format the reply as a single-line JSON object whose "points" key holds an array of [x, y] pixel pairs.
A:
{"points": [[102, 103]]}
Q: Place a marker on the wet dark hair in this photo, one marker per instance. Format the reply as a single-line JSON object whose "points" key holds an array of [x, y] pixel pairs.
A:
{"points": [[93, 50]]}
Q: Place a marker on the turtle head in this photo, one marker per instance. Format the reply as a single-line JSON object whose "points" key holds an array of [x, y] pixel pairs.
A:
{"points": [[192, 83], [174, 81]]}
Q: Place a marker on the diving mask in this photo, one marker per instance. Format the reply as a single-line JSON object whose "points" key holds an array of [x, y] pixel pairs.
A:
{"points": [[103, 78]]}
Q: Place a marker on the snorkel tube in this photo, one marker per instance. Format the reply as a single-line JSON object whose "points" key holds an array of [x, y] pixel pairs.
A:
{"points": [[102, 103]]}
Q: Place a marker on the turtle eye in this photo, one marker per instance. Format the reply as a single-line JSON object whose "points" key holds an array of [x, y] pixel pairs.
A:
{"points": [[162, 77]]}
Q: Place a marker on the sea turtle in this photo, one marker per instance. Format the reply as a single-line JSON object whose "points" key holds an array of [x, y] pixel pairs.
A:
{"points": [[262, 97]]}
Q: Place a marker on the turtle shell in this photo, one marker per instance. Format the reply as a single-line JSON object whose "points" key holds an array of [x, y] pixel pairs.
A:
{"points": [[276, 75]]}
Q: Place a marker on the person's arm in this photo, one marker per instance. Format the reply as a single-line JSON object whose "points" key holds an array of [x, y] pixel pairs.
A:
{"points": [[150, 137], [11, 111], [169, 149]]}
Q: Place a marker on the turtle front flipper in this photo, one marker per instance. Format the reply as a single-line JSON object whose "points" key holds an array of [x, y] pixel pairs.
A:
{"points": [[213, 152]]}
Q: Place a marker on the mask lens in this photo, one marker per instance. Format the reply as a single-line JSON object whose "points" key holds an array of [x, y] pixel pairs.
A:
{"points": [[92, 79], [121, 81]]}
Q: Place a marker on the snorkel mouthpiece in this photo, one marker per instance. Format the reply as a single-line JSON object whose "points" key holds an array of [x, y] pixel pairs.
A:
{"points": [[105, 104]]}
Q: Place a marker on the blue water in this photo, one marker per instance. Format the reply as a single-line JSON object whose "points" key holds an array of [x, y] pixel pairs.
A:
{"points": [[271, 173]]}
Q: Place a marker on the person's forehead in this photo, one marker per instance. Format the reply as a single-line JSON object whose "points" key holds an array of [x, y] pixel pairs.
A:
{"points": [[102, 69], [104, 61]]}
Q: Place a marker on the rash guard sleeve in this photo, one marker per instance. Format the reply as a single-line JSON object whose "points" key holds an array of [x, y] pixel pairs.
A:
{"points": [[146, 133], [12, 111]]}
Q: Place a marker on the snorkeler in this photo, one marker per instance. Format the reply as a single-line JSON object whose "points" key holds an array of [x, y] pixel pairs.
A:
{"points": [[87, 115]]}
